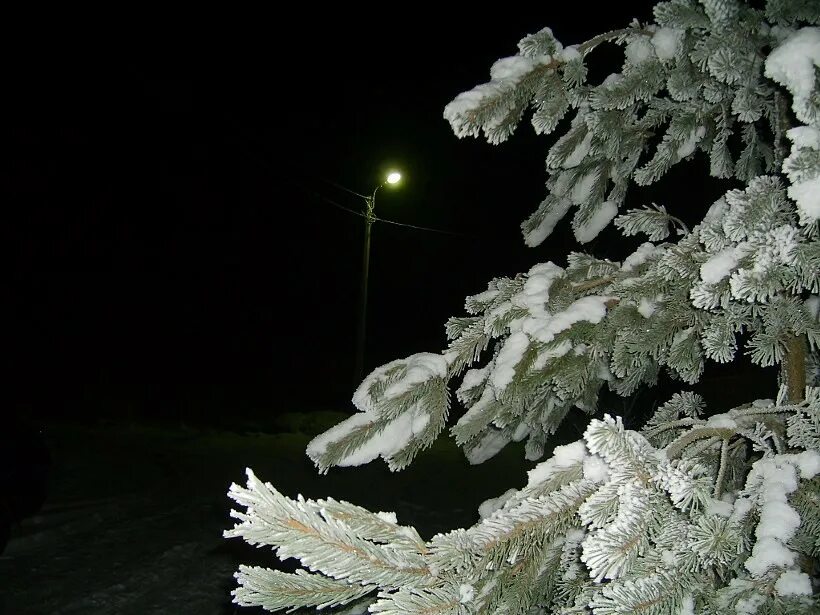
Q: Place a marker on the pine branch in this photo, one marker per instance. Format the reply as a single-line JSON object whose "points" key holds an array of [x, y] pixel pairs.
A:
{"points": [[274, 590], [585, 286], [724, 451], [544, 517], [704, 446], [585, 47], [686, 422], [611, 551], [674, 450], [365, 524], [650, 595], [299, 529], [411, 601]]}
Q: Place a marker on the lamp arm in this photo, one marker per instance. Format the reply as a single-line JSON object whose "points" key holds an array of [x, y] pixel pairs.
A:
{"points": [[371, 203]]}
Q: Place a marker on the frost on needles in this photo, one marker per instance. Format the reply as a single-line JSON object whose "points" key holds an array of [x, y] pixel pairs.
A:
{"points": [[700, 511]]}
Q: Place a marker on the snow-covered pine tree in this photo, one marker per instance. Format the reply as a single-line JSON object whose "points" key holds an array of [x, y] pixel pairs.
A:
{"points": [[697, 512]]}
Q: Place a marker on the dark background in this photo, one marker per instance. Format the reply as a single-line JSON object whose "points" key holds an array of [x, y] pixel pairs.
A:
{"points": [[169, 205], [182, 278]]}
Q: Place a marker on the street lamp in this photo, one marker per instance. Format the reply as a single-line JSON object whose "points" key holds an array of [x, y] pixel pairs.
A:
{"points": [[392, 179]]}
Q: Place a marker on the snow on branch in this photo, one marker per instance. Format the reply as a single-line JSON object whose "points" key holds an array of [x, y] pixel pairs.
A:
{"points": [[326, 543], [403, 406]]}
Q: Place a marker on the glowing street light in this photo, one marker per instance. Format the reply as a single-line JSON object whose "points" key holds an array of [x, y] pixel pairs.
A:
{"points": [[393, 178]]}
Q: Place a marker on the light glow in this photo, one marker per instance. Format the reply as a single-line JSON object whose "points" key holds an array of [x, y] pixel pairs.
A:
{"points": [[394, 177]]}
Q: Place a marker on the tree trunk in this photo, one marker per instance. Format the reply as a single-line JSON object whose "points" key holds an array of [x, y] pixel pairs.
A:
{"points": [[795, 366]]}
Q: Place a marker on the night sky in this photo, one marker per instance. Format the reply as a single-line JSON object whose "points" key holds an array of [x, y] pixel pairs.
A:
{"points": [[170, 206]]}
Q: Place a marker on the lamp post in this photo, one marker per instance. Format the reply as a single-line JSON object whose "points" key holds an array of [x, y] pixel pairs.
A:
{"points": [[369, 218]]}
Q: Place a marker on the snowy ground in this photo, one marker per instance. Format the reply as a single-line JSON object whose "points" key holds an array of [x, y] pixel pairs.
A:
{"points": [[135, 513]]}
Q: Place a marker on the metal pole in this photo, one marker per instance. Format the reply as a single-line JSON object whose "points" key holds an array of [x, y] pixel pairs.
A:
{"points": [[370, 217]]}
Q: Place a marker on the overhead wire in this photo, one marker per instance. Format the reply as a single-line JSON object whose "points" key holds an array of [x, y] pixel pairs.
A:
{"points": [[377, 218], [330, 201]]}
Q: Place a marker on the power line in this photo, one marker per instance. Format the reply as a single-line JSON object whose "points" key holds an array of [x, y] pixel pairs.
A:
{"points": [[377, 218], [340, 187], [425, 228], [330, 201]]}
